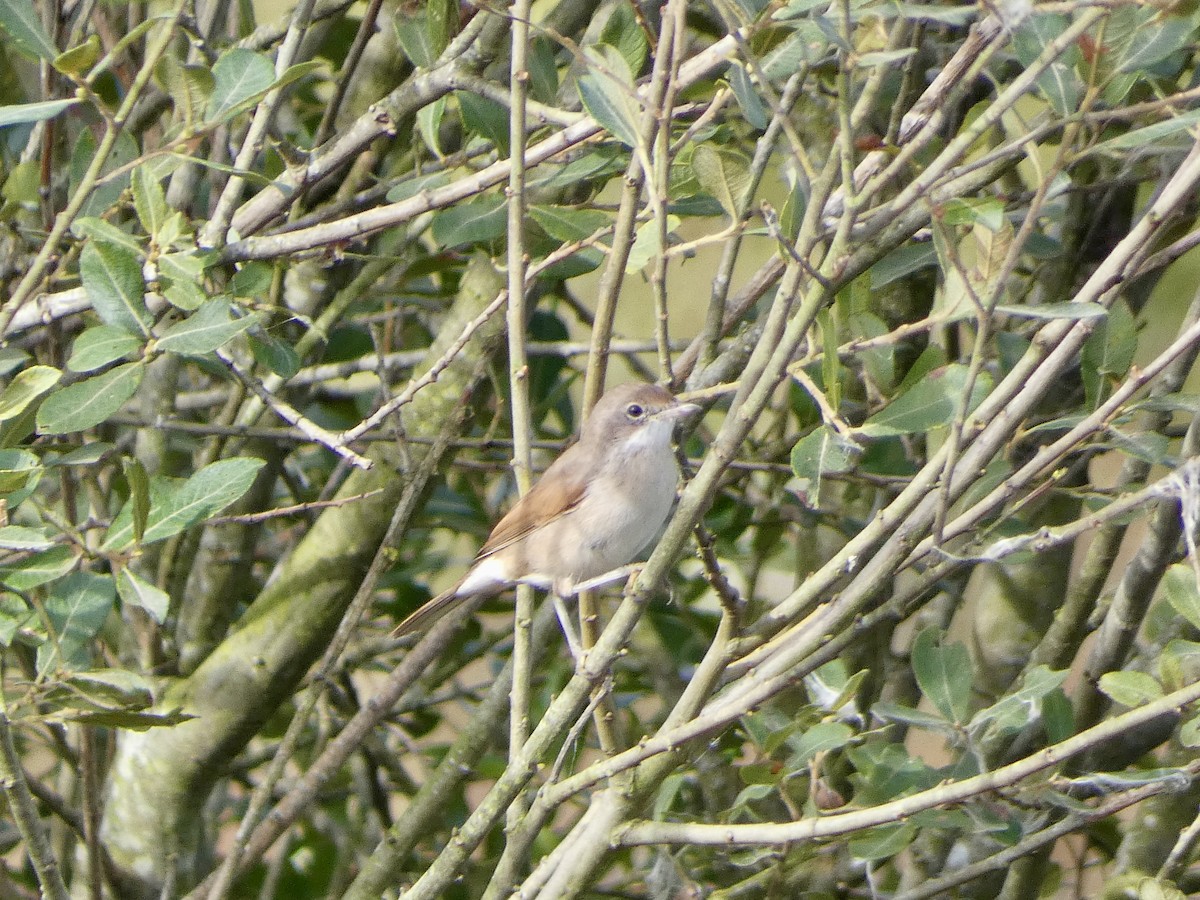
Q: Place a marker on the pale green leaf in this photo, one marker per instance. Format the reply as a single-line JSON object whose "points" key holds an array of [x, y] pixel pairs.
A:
{"points": [[179, 504], [239, 75], [26, 113], [136, 592], [34, 571], [100, 345], [21, 537], [205, 330], [112, 278], [607, 91], [21, 23], [87, 403], [1130, 688], [26, 387]]}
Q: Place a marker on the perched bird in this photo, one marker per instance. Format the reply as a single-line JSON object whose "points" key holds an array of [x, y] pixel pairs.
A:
{"points": [[593, 511]]}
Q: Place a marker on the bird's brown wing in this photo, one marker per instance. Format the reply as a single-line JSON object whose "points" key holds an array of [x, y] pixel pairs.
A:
{"points": [[560, 488]]}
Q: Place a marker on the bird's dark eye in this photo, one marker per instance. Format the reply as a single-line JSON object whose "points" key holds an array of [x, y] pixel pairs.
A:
{"points": [[634, 411]]}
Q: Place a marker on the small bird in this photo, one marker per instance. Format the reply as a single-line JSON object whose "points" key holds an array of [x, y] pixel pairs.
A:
{"points": [[593, 510]]}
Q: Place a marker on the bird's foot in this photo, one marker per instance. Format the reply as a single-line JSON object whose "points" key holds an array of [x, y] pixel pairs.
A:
{"points": [[624, 572]]}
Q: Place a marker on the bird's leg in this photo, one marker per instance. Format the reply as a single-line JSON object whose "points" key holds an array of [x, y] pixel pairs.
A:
{"points": [[607, 578], [568, 627]]}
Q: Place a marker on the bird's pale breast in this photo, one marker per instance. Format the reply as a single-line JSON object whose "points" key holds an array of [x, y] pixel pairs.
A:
{"points": [[623, 511]]}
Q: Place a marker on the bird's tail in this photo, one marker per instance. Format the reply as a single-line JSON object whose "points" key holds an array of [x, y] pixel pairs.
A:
{"points": [[425, 615]]}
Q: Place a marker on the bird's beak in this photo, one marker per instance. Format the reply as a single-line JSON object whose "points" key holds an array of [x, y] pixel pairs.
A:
{"points": [[680, 411]]}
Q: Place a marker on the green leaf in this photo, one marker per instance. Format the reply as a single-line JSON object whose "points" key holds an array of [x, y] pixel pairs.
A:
{"points": [[884, 57], [12, 359], [111, 689], [914, 718], [183, 266], [757, 113], [624, 34], [112, 278], [1154, 41], [21, 537], [1058, 716], [188, 86], [174, 231], [415, 38], [77, 607], [808, 44], [886, 771], [239, 75], [104, 232], [1148, 446], [273, 353], [751, 793], [956, 16], [149, 200], [87, 455], [25, 388], [968, 211], [1179, 664], [1108, 351], [136, 592], [79, 59], [36, 570], [566, 223], [822, 737], [882, 842], [410, 187], [441, 17], [130, 720], [932, 402], [17, 469], [204, 331], [486, 118], [791, 217], [607, 91], [108, 192], [1014, 711], [20, 21], [1056, 311], [1130, 688], [429, 125], [25, 113], [1189, 732], [902, 262], [473, 222], [646, 244], [139, 495], [176, 505], [87, 403], [944, 675], [725, 174], [1059, 82], [1153, 136], [602, 162], [100, 345], [1111, 346], [822, 452], [1179, 584], [253, 279], [543, 71], [14, 615], [297, 71]]}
